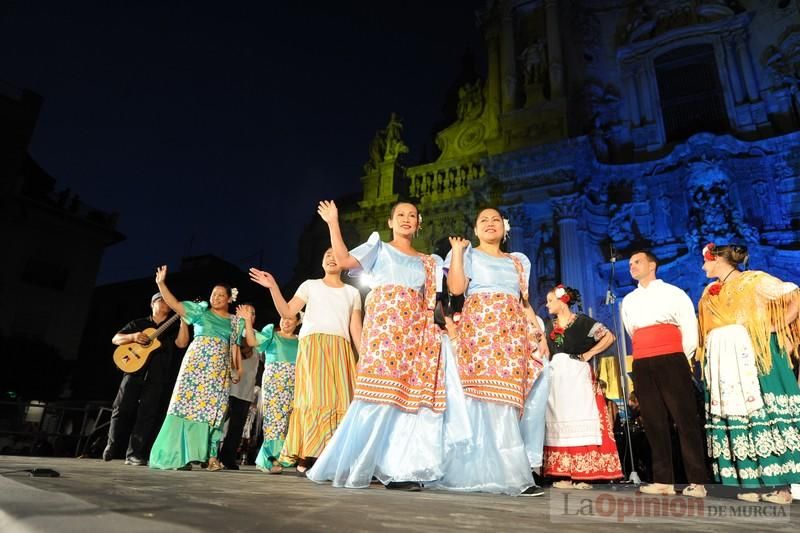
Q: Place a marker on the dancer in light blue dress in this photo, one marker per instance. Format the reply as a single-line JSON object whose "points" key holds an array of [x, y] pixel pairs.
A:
{"points": [[408, 403], [500, 364]]}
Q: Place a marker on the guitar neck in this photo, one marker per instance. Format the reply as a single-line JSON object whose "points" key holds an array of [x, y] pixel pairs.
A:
{"points": [[164, 326]]}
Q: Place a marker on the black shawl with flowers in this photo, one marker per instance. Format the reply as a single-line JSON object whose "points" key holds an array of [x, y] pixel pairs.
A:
{"points": [[578, 337]]}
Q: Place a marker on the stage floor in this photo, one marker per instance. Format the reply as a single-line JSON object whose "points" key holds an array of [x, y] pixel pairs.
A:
{"points": [[92, 495]]}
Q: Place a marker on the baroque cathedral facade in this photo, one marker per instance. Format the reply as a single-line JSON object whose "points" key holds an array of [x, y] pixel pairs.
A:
{"points": [[606, 126]]}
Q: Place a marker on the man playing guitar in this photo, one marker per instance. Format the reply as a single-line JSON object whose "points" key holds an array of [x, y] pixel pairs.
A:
{"points": [[138, 401]]}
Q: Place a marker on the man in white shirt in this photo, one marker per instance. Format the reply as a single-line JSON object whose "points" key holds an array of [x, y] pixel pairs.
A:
{"points": [[661, 321]]}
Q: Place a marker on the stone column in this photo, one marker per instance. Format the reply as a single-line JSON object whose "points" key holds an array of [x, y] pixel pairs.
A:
{"points": [[566, 209], [645, 94], [554, 54], [508, 59], [734, 76], [750, 82], [632, 100]]}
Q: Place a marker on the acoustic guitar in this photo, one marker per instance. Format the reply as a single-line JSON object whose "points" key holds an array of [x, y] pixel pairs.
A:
{"points": [[133, 356]]}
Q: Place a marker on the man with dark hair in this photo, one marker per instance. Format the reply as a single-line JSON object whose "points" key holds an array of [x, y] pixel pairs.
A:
{"points": [[651, 257], [662, 324], [138, 400], [241, 396]]}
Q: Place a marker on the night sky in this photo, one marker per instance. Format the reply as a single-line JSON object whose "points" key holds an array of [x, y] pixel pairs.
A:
{"points": [[215, 128]]}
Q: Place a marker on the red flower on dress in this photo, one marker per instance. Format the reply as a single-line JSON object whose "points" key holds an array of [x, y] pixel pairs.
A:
{"points": [[714, 289], [557, 335]]}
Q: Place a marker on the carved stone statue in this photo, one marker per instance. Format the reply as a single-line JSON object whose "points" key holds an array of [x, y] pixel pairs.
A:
{"points": [[783, 66], [621, 226], [603, 103], [662, 222], [386, 145], [376, 150], [713, 213], [394, 144], [534, 63], [470, 101], [545, 267]]}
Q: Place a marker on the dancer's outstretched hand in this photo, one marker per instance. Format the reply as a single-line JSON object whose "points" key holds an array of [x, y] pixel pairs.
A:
{"points": [[264, 279], [328, 211], [161, 274]]}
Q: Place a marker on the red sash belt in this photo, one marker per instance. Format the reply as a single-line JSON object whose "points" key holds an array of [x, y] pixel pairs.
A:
{"points": [[659, 339]]}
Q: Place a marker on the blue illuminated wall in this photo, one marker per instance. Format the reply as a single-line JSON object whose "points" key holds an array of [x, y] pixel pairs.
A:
{"points": [[570, 212]]}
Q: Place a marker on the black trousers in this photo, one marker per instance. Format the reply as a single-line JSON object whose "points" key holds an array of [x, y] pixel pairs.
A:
{"points": [[666, 393], [136, 409], [237, 414]]}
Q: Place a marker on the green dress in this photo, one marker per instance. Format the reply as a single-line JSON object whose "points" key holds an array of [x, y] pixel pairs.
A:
{"points": [[277, 393], [752, 396], [193, 427]]}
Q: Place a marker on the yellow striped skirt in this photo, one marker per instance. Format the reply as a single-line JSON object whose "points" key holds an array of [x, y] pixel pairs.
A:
{"points": [[324, 381]]}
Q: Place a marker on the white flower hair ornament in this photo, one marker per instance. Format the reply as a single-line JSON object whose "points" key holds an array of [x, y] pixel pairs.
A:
{"points": [[506, 228], [419, 220], [562, 294], [234, 294], [300, 315]]}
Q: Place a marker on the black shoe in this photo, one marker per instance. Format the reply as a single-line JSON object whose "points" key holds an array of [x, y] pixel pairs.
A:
{"points": [[533, 491], [107, 454], [186, 467], [135, 461], [410, 486]]}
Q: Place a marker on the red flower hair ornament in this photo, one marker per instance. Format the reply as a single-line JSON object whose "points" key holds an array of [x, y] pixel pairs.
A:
{"points": [[707, 255], [562, 294], [714, 288]]}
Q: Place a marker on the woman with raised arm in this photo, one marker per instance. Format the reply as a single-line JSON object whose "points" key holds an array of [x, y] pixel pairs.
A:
{"points": [[277, 391], [749, 330], [579, 438], [499, 361], [326, 363], [395, 428], [193, 426]]}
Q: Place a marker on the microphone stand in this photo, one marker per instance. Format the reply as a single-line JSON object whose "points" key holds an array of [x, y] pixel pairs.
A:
{"points": [[611, 300]]}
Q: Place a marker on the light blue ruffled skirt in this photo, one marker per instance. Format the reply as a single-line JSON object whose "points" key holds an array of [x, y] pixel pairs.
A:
{"points": [[503, 449], [531, 425], [393, 445]]}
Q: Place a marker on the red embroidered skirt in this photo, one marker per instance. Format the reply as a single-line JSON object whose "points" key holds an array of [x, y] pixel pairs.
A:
{"points": [[586, 462]]}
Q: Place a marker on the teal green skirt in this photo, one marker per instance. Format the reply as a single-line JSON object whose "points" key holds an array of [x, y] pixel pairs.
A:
{"points": [[271, 451], [763, 448], [182, 441]]}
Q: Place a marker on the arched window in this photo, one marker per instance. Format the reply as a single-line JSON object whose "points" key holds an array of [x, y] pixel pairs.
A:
{"points": [[690, 92]]}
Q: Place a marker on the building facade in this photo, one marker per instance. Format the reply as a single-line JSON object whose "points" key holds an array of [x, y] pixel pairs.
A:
{"points": [[53, 242], [605, 126]]}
